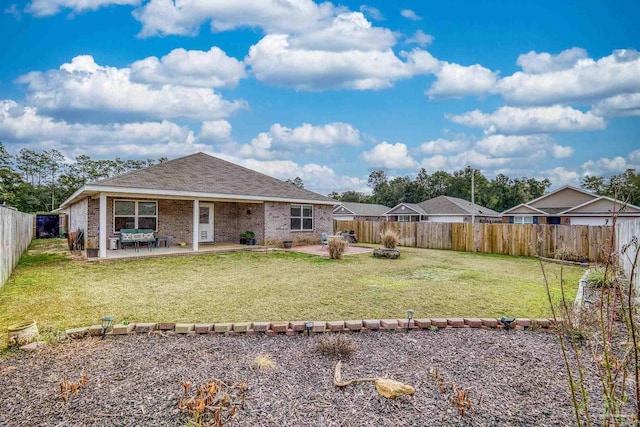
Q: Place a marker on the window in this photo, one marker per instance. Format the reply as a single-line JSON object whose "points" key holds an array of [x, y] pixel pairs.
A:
{"points": [[404, 218], [135, 214], [301, 217], [523, 220]]}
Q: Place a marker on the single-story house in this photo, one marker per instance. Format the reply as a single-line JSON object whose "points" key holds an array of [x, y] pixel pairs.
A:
{"points": [[442, 209], [199, 199], [570, 206], [351, 211]]}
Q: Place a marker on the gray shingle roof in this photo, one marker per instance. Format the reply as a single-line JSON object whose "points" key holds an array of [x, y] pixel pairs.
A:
{"points": [[202, 173], [445, 205], [365, 209]]}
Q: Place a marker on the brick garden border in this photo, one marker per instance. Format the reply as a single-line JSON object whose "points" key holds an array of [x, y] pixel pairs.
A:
{"points": [[297, 328], [318, 327]]}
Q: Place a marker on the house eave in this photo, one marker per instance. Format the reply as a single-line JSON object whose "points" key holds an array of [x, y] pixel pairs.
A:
{"points": [[91, 190]]}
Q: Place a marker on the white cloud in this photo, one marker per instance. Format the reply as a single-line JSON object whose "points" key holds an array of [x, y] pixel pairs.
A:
{"points": [[52, 7], [634, 156], [560, 176], [306, 136], [627, 104], [392, 156], [538, 63], [215, 131], [514, 145], [586, 81], [410, 14], [514, 120], [462, 159], [420, 38], [347, 32], [606, 166], [320, 178], [166, 17], [562, 151], [275, 61], [372, 12], [323, 135], [440, 146], [24, 125], [84, 86], [455, 80], [259, 147], [197, 68]]}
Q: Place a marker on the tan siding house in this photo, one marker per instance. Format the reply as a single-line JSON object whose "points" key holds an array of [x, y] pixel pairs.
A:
{"points": [[199, 199], [570, 206], [351, 211]]}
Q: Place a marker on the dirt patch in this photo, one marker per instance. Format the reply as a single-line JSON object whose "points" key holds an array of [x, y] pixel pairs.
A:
{"points": [[513, 378]]}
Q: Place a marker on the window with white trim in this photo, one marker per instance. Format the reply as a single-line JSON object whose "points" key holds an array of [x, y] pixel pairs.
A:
{"points": [[523, 220], [301, 217], [404, 218], [135, 214]]}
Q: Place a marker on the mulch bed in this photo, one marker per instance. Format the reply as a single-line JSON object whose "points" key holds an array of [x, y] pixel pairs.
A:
{"points": [[514, 378]]}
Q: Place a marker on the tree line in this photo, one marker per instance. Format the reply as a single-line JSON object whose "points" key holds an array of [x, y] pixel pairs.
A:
{"points": [[33, 181], [500, 193], [38, 181]]}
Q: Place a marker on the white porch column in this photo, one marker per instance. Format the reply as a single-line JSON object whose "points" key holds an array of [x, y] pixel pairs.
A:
{"points": [[196, 222], [102, 234]]}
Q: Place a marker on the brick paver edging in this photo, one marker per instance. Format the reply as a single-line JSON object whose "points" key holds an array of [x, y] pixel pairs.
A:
{"points": [[317, 327]]}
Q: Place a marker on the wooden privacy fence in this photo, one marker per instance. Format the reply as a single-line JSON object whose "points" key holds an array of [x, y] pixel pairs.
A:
{"points": [[627, 245], [16, 232], [575, 242]]}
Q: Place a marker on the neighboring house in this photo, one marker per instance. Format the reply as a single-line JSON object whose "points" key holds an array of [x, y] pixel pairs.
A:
{"points": [[199, 199], [570, 206], [350, 211], [442, 209]]}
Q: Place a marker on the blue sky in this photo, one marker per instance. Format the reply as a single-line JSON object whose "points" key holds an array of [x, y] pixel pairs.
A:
{"points": [[329, 91]]}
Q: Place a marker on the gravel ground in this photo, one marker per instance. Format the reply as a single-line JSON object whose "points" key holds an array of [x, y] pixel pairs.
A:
{"points": [[514, 378]]}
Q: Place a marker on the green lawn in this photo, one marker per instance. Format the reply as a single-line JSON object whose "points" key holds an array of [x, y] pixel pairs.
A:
{"points": [[62, 293]]}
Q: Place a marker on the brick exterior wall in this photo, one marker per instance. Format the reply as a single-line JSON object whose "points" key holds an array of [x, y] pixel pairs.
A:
{"points": [[270, 221], [278, 224]]}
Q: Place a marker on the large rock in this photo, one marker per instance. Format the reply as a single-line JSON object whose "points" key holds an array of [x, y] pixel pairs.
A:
{"points": [[391, 389], [386, 253]]}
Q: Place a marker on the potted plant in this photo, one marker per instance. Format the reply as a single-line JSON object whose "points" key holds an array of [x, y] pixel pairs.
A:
{"points": [[251, 237], [92, 247], [287, 244], [243, 238]]}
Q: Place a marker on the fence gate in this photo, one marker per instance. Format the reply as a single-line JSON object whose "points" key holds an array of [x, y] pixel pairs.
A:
{"points": [[47, 226]]}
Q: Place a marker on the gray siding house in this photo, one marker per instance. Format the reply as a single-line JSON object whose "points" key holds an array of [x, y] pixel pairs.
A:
{"points": [[351, 211], [199, 199], [442, 209]]}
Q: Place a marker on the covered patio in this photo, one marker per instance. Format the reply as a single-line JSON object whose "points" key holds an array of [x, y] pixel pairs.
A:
{"points": [[143, 252]]}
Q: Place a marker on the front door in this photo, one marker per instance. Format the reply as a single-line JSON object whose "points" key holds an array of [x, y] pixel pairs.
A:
{"points": [[205, 226]]}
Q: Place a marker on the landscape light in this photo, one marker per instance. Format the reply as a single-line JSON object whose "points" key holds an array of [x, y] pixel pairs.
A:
{"points": [[507, 321], [409, 317], [308, 325], [107, 321]]}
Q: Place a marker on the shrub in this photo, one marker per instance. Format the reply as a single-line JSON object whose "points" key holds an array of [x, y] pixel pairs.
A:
{"points": [[336, 248], [597, 279], [390, 239], [336, 345], [263, 362]]}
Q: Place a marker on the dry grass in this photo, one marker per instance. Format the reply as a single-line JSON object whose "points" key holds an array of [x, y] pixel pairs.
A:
{"points": [[336, 345], [60, 293], [336, 248], [263, 362], [390, 239]]}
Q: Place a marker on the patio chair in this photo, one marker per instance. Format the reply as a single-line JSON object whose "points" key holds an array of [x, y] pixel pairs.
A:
{"points": [[324, 240]]}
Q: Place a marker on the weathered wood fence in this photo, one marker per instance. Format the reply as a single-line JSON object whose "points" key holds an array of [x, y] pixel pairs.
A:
{"points": [[576, 242], [16, 232], [627, 246]]}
